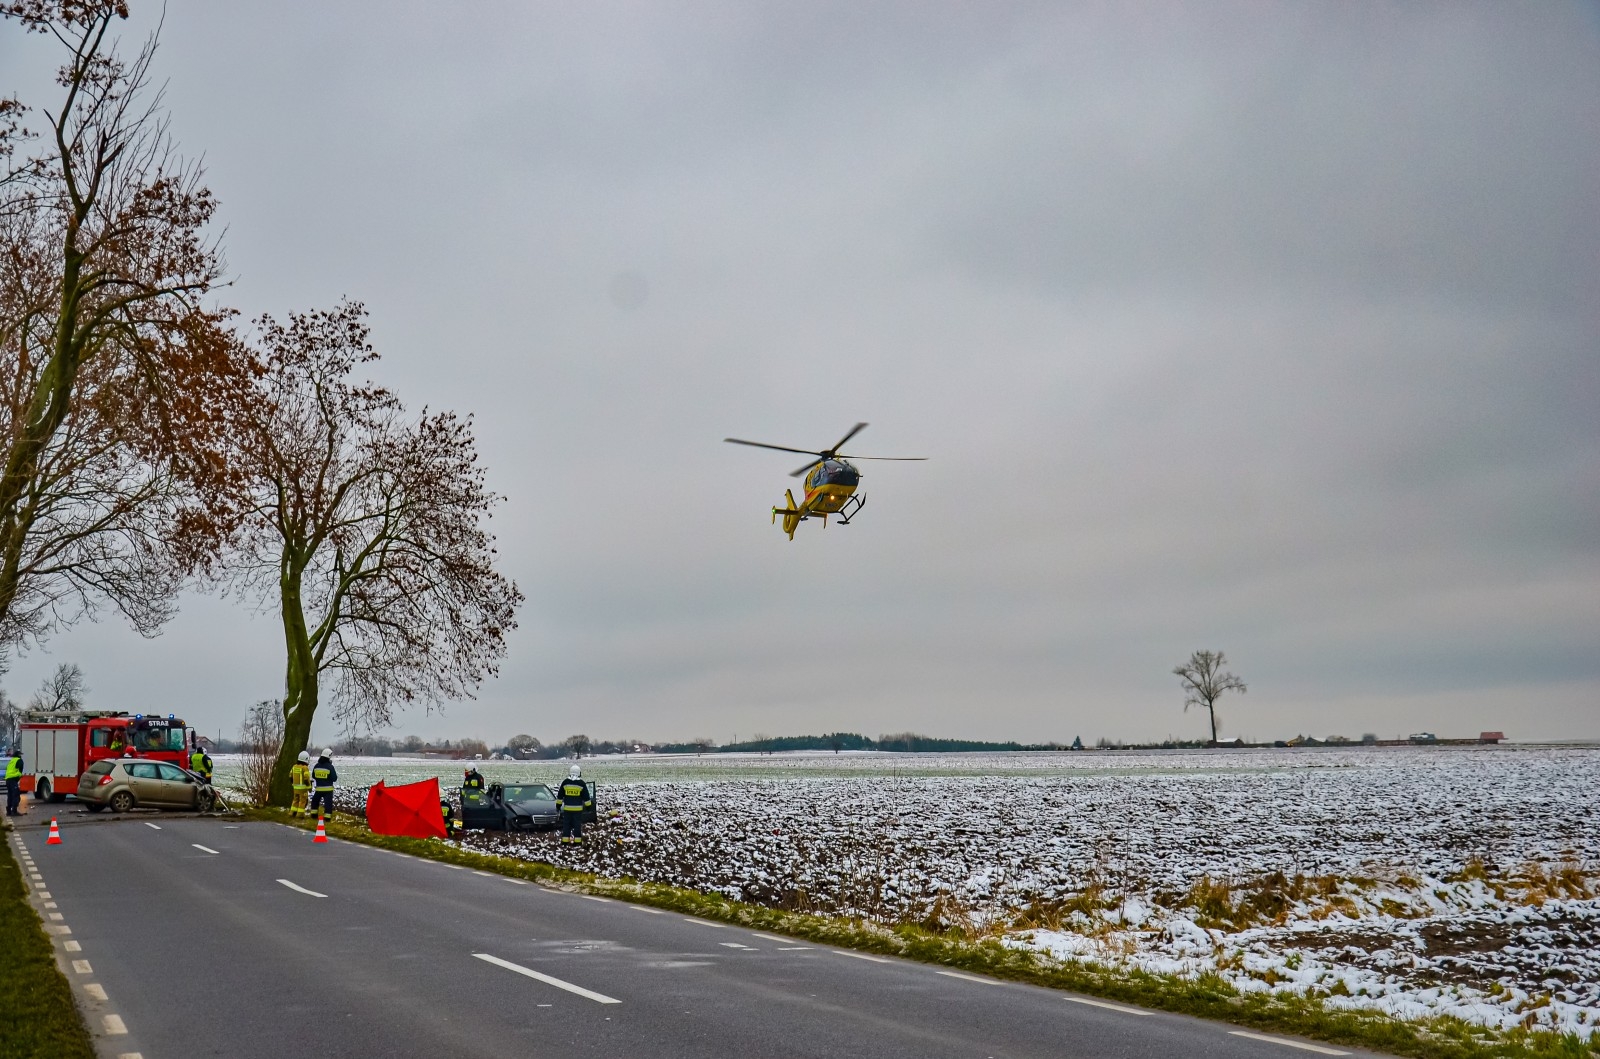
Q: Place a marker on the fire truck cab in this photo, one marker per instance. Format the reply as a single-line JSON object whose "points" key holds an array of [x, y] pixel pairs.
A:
{"points": [[57, 747]]}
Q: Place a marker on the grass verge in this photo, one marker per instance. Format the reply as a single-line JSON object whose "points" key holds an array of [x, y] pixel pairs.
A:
{"points": [[1205, 996], [37, 1013]]}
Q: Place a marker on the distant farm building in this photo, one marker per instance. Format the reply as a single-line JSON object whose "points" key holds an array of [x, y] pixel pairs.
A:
{"points": [[1490, 737]]}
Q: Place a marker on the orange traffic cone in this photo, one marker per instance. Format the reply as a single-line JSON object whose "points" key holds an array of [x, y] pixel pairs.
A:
{"points": [[320, 836], [55, 834]]}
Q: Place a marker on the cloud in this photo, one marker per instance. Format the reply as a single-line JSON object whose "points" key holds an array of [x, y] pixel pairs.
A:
{"points": [[1269, 333]]}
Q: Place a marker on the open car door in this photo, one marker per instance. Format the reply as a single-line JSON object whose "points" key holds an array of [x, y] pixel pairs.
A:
{"points": [[482, 808], [591, 814]]}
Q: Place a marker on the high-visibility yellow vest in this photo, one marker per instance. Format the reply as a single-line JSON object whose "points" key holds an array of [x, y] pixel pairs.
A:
{"points": [[300, 776], [14, 767]]}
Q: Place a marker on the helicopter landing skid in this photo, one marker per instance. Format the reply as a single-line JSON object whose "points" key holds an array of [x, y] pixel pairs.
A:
{"points": [[850, 509]]}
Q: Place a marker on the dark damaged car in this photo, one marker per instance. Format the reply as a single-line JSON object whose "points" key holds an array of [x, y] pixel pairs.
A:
{"points": [[515, 807]]}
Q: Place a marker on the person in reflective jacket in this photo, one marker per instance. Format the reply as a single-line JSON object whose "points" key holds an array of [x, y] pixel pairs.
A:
{"points": [[200, 764], [573, 799], [300, 779], [14, 770], [472, 780], [323, 777]]}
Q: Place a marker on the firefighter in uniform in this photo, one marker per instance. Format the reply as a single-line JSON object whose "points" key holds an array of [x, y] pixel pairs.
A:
{"points": [[300, 779], [200, 764], [14, 767], [574, 799], [472, 780], [323, 777], [449, 815]]}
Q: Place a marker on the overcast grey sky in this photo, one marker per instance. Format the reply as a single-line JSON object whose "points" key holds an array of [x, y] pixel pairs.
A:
{"points": [[1268, 328]]}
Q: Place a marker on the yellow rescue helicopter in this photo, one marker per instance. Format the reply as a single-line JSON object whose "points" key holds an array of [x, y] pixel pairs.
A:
{"points": [[830, 483]]}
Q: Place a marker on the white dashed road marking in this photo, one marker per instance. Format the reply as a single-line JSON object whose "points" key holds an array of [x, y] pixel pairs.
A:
{"points": [[95, 990], [113, 1025], [598, 998], [300, 889], [792, 948], [203, 849], [968, 977], [150, 825], [652, 911], [1108, 1007], [767, 937], [72, 946], [736, 945], [591, 897], [1319, 1049], [703, 923], [863, 956], [81, 967]]}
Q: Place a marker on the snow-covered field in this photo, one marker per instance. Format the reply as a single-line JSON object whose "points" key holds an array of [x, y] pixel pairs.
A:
{"points": [[1436, 880]]}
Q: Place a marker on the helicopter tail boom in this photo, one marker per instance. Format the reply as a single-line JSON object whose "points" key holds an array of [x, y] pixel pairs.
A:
{"points": [[791, 514]]}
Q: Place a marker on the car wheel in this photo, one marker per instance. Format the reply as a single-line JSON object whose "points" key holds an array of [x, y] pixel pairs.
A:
{"points": [[121, 801], [93, 808], [204, 801]]}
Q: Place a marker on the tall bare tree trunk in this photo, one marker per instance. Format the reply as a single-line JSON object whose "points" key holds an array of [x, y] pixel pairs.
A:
{"points": [[299, 689]]}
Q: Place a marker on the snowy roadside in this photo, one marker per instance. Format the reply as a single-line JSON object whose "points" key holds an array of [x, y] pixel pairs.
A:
{"points": [[1412, 882]]}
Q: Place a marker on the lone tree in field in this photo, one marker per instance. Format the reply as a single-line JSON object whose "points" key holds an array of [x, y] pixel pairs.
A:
{"points": [[63, 691], [1204, 680], [108, 359], [362, 526]]}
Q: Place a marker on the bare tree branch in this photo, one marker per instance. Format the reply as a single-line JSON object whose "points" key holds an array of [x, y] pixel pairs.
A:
{"points": [[110, 365]]}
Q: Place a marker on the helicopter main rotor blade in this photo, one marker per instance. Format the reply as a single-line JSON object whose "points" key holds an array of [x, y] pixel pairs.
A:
{"points": [[780, 448], [899, 458], [803, 470], [858, 428]]}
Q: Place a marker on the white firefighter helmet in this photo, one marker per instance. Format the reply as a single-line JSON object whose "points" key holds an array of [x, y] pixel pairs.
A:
{"points": [[304, 756], [326, 752], [574, 772]]}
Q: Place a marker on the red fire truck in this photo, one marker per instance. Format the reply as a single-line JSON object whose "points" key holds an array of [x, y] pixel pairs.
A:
{"points": [[57, 746]]}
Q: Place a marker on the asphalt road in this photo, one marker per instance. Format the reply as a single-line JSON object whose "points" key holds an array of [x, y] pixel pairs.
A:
{"points": [[197, 937]]}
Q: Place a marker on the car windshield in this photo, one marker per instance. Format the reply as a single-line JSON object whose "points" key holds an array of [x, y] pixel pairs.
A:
{"points": [[529, 792], [158, 738]]}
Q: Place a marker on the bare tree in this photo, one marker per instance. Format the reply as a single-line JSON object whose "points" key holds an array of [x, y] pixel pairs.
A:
{"points": [[109, 361], [363, 527], [1204, 681], [577, 745], [261, 738], [62, 691], [10, 717]]}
